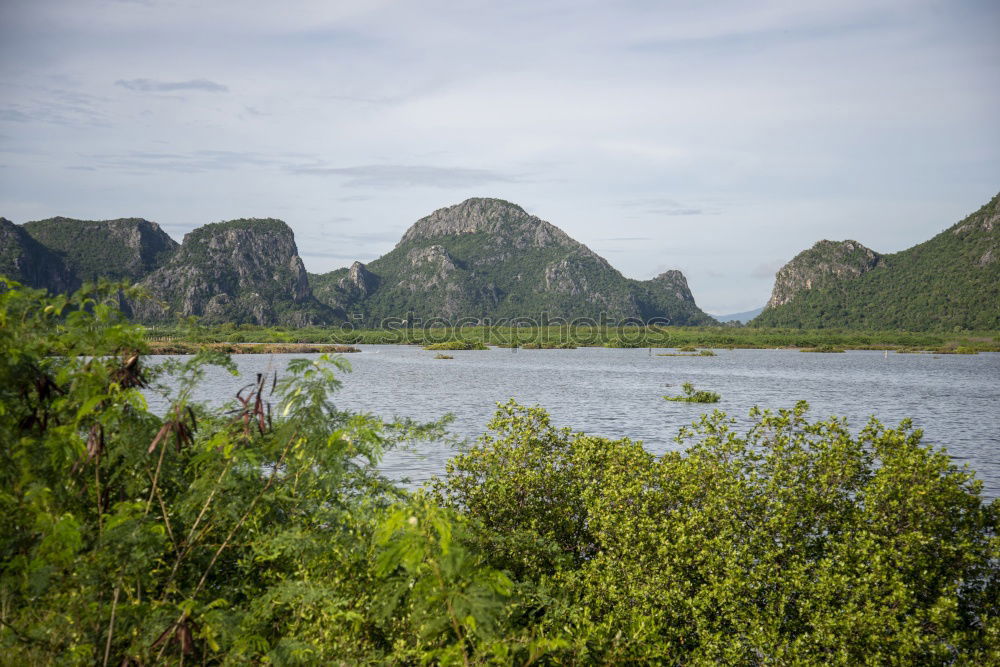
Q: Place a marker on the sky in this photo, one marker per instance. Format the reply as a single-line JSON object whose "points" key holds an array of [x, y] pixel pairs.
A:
{"points": [[719, 138]]}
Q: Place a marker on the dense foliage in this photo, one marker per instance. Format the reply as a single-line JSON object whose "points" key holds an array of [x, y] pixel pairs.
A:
{"points": [[24, 259], [794, 543], [952, 280], [124, 249], [264, 534]]}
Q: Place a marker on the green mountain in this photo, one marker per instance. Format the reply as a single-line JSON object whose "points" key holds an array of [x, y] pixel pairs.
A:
{"points": [[488, 258], [241, 271], [27, 261], [481, 259], [123, 249], [952, 280]]}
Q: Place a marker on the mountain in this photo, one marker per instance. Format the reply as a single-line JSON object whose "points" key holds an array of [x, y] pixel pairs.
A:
{"points": [[742, 318], [488, 258], [951, 280], [123, 249], [241, 271], [481, 259], [27, 261], [824, 265]]}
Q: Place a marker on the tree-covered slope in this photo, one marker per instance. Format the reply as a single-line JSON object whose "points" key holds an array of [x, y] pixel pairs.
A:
{"points": [[241, 271], [123, 249], [27, 261], [488, 258], [825, 264], [951, 280]]}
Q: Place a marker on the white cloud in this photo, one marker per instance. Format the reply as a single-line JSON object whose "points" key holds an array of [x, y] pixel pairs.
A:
{"points": [[154, 86], [729, 135]]}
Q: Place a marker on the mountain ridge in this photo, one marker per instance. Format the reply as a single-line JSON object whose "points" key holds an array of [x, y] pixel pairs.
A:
{"points": [[24, 259], [487, 258], [119, 249], [950, 280]]}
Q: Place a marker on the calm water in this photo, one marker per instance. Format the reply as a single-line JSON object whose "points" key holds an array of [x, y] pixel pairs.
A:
{"points": [[955, 399]]}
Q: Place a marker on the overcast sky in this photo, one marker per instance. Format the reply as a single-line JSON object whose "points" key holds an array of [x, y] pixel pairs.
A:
{"points": [[720, 138]]}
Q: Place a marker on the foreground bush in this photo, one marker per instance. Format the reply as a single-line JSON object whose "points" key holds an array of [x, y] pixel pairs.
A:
{"points": [[241, 535], [263, 533], [794, 543]]}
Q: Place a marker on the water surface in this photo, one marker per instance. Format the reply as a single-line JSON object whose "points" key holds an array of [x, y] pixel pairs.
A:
{"points": [[955, 399]]}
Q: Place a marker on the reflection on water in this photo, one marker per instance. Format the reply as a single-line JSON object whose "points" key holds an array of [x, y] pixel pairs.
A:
{"points": [[955, 399]]}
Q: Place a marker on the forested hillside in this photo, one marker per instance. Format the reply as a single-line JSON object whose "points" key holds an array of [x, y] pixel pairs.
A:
{"points": [[949, 281]]}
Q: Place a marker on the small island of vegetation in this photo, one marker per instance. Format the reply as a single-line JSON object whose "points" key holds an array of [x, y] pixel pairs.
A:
{"points": [[457, 345], [692, 395]]}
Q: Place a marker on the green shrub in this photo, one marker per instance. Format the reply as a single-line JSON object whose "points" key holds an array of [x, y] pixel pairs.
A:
{"points": [[549, 345], [691, 395], [252, 535], [624, 343], [796, 542], [961, 349], [457, 345]]}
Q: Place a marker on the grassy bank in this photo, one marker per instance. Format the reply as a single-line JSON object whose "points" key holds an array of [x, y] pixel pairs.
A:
{"points": [[568, 337], [174, 346]]}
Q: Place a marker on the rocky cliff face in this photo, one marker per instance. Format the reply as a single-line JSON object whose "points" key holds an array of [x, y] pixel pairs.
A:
{"points": [[506, 222], [822, 265], [673, 282], [123, 249], [490, 259], [667, 298], [338, 289], [27, 261], [238, 271]]}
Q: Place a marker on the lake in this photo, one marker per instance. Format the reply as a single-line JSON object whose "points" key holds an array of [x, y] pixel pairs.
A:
{"points": [[955, 399]]}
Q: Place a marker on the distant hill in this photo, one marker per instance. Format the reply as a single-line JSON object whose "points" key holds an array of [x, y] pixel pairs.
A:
{"points": [[951, 280], [27, 261], [123, 249], [742, 318], [241, 271], [489, 259], [477, 260]]}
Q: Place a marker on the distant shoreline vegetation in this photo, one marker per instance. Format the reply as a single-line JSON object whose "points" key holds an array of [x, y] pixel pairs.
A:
{"points": [[556, 333]]}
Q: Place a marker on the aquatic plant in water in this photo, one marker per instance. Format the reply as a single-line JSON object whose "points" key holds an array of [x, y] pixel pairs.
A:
{"points": [[456, 345], [692, 395]]}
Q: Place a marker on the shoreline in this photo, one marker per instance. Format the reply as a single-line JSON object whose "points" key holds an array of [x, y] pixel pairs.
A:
{"points": [[191, 347], [244, 338]]}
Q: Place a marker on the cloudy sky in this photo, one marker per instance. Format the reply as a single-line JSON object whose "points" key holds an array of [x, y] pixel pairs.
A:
{"points": [[720, 138]]}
